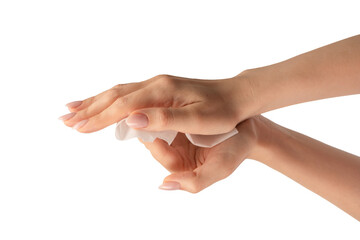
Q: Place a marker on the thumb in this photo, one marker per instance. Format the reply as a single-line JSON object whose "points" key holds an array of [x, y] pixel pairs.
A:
{"points": [[199, 179], [183, 119]]}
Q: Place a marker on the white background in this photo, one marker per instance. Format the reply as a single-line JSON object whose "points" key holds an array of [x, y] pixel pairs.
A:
{"points": [[56, 183]]}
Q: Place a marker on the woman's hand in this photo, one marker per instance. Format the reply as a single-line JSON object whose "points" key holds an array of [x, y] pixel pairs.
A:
{"points": [[327, 171], [194, 168], [167, 103], [213, 107]]}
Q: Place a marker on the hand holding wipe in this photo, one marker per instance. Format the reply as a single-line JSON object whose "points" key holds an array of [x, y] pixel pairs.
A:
{"points": [[124, 132]]}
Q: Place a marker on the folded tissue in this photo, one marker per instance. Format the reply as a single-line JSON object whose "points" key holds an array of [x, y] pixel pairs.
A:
{"points": [[124, 132]]}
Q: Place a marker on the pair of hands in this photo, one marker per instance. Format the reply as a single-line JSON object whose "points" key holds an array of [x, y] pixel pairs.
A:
{"points": [[217, 106], [184, 105]]}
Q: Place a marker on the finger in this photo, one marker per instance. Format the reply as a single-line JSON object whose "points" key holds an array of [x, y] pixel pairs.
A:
{"points": [[118, 110], [213, 170], [98, 103], [158, 146], [123, 89], [101, 102], [96, 107], [79, 105], [163, 153], [184, 119]]}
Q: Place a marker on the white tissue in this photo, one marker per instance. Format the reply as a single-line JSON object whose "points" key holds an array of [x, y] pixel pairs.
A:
{"points": [[124, 132]]}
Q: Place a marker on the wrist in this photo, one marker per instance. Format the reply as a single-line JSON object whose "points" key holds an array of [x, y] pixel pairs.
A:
{"points": [[250, 134], [267, 88], [246, 94], [266, 135], [263, 139]]}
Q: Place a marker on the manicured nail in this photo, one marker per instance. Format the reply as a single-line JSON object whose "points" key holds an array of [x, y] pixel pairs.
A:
{"points": [[74, 104], [170, 186], [66, 116], [137, 120], [80, 124]]}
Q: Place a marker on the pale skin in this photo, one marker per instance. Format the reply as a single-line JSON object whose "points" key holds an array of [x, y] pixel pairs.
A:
{"points": [[217, 106], [327, 171]]}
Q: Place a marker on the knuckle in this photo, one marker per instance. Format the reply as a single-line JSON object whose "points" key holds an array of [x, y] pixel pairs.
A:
{"points": [[165, 116], [113, 92], [167, 81], [118, 86], [82, 114], [121, 101], [162, 76]]}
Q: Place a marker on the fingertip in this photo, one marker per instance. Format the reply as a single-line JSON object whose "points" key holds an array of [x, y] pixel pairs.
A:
{"points": [[80, 126], [170, 185], [137, 120], [66, 117], [73, 110], [74, 105]]}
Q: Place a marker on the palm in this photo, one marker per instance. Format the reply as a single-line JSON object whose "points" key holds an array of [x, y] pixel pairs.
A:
{"points": [[195, 167], [183, 156]]}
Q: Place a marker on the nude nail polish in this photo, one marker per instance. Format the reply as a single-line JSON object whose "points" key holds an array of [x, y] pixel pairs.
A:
{"points": [[74, 104], [66, 116], [170, 186], [137, 120], [80, 124]]}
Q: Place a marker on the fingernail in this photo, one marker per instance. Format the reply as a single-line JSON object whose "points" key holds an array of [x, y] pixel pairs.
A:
{"points": [[66, 116], [137, 120], [74, 104], [170, 186], [80, 124]]}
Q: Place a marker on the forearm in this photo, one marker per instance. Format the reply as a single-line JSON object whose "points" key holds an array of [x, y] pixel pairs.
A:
{"points": [[329, 71], [327, 171]]}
